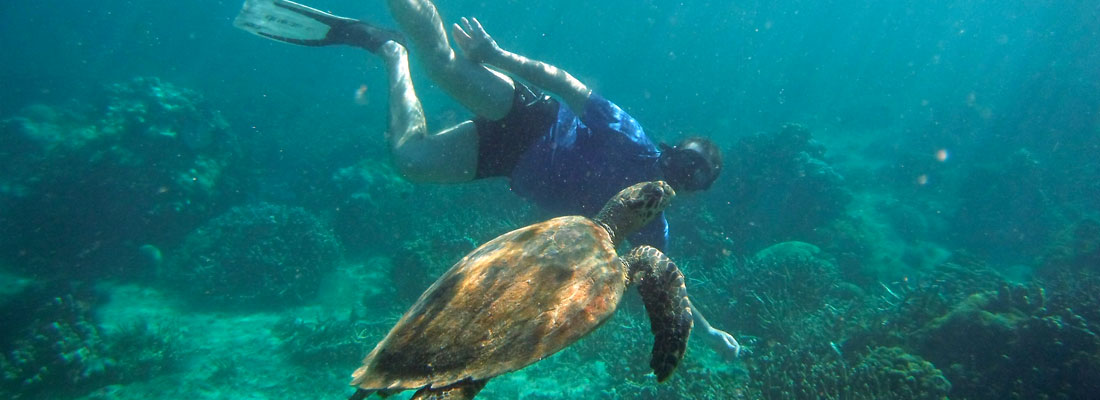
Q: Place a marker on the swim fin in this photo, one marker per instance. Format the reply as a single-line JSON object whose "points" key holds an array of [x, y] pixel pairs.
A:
{"points": [[290, 22]]}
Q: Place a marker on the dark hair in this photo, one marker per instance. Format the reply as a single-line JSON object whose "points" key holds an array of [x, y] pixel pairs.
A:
{"points": [[693, 164]]}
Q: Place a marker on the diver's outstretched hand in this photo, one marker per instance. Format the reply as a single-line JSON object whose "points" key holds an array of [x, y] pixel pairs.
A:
{"points": [[475, 43], [723, 343]]}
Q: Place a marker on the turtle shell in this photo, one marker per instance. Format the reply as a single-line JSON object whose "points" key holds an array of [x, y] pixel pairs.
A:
{"points": [[511, 302]]}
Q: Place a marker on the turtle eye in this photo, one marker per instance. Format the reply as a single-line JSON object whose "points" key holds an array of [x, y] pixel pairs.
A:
{"points": [[651, 191]]}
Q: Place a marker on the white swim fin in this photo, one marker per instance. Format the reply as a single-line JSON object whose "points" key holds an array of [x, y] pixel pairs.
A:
{"points": [[290, 22]]}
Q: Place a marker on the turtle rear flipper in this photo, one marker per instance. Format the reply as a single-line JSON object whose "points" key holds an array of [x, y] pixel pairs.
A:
{"points": [[464, 390], [661, 285]]}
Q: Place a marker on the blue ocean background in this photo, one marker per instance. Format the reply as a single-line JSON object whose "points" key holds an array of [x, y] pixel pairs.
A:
{"points": [[910, 206]]}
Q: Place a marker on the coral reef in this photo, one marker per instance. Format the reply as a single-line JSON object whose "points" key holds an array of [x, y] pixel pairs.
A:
{"points": [[370, 192], [781, 188], [903, 308], [326, 340], [800, 372], [1006, 342], [53, 347], [884, 239], [1074, 291], [884, 308], [779, 288], [366, 193], [892, 371], [82, 185], [993, 338], [809, 327], [1004, 211], [1077, 247], [258, 255]]}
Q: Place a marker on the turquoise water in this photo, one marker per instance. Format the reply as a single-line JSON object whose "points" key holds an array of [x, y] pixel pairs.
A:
{"points": [[908, 209]]}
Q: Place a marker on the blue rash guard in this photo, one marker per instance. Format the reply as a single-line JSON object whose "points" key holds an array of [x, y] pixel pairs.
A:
{"points": [[580, 163]]}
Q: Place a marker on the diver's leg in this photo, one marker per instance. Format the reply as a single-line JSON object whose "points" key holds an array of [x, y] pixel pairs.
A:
{"points": [[444, 157], [484, 92]]}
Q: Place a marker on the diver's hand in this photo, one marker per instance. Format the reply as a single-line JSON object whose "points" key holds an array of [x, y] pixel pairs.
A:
{"points": [[475, 43], [723, 343]]}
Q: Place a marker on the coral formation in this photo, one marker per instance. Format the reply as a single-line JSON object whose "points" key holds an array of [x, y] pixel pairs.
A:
{"points": [[1007, 342], [52, 347], [257, 255], [890, 370], [1004, 211], [370, 192], [87, 184], [366, 193], [780, 287], [904, 308], [59, 346], [782, 189], [326, 340], [992, 338], [1077, 247], [799, 372], [810, 329]]}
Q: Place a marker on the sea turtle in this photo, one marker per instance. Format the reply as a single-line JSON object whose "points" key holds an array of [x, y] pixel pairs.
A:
{"points": [[527, 294]]}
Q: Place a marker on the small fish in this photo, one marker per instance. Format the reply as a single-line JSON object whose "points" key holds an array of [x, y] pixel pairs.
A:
{"points": [[361, 95]]}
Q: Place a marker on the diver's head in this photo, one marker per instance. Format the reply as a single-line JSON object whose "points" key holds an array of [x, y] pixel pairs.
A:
{"points": [[691, 165]]}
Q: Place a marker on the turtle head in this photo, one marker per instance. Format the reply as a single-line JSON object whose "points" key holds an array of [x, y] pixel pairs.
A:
{"points": [[634, 207]]}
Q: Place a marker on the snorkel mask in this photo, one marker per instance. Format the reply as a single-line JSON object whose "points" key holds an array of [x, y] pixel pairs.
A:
{"points": [[692, 165]]}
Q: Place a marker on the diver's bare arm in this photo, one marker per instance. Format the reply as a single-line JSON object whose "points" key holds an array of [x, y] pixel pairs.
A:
{"points": [[478, 46], [485, 92], [719, 340]]}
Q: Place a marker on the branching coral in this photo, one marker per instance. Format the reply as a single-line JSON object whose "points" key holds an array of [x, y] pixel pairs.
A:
{"points": [[326, 341], [62, 346], [61, 352], [999, 339], [780, 287], [890, 372], [799, 371], [1007, 342]]}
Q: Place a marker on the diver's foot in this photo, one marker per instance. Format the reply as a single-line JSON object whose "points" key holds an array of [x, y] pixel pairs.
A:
{"points": [[392, 51], [374, 37], [364, 35]]}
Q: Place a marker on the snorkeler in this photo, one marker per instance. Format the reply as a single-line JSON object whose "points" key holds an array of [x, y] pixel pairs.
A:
{"points": [[566, 158]]}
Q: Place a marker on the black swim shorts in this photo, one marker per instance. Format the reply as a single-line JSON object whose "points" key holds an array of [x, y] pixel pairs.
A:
{"points": [[500, 143]]}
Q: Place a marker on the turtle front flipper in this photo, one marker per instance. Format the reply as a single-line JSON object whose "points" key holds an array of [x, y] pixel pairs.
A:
{"points": [[661, 285], [464, 390]]}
